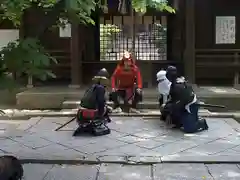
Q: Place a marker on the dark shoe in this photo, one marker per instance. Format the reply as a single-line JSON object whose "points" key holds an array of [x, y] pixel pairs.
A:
{"points": [[205, 124], [176, 126], [109, 120], [162, 117]]}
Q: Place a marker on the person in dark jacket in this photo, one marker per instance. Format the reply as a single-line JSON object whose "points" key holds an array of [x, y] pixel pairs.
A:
{"points": [[182, 105], [93, 113]]}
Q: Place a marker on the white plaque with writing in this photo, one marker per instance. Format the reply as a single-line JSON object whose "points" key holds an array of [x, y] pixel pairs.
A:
{"points": [[225, 30], [65, 31]]}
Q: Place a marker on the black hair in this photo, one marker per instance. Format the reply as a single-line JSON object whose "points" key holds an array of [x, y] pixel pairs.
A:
{"points": [[10, 168]]}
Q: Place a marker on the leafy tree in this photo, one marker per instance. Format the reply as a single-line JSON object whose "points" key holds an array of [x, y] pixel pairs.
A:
{"points": [[161, 5], [27, 55], [79, 10]]}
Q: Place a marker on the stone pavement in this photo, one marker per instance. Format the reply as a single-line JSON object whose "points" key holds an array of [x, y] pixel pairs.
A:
{"points": [[26, 113], [130, 172], [133, 140]]}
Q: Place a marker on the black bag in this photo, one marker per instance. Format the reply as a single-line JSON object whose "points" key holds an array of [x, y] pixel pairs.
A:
{"points": [[89, 98]]}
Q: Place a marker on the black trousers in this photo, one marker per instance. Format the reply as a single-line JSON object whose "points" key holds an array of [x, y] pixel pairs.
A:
{"points": [[167, 111], [114, 96]]}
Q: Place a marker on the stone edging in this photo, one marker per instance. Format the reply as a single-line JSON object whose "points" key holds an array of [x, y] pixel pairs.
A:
{"points": [[23, 115], [135, 160]]}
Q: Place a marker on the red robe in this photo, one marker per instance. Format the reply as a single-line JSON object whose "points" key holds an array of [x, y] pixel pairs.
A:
{"points": [[126, 78]]}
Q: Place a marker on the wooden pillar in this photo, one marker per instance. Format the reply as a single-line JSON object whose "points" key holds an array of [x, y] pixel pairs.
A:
{"points": [[175, 41], [75, 57], [189, 53]]}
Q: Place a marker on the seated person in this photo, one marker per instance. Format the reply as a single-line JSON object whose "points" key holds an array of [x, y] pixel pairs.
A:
{"points": [[182, 105], [93, 112], [129, 84]]}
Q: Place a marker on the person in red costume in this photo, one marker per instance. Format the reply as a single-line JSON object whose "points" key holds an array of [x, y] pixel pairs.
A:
{"points": [[126, 84]]}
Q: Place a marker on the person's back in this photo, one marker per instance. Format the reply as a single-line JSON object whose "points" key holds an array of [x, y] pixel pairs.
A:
{"points": [[94, 98], [88, 100], [181, 91]]}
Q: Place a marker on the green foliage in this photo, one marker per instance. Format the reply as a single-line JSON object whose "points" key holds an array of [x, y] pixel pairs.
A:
{"points": [[75, 10], [14, 9], [27, 56], [106, 34], [161, 5]]}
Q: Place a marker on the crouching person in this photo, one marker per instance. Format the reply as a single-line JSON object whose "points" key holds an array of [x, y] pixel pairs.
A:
{"points": [[93, 113], [10, 168], [183, 106], [126, 84]]}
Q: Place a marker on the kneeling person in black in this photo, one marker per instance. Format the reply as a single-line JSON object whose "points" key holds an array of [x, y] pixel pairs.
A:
{"points": [[93, 113], [183, 106]]}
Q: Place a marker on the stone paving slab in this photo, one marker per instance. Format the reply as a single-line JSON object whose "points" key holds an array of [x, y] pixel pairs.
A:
{"points": [[132, 172], [133, 140]]}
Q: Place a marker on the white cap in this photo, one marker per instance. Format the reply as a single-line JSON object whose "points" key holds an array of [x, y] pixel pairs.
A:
{"points": [[161, 75]]}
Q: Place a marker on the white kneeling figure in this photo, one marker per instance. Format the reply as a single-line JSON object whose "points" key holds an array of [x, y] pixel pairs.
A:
{"points": [[163, 85]]}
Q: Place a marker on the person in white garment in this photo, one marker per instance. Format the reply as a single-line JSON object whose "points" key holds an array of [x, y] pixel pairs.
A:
{"points": [[163, 87]]}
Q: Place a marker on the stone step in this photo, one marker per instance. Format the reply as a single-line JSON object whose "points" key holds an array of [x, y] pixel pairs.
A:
{"points": [[26, 114], [143, 112], [53, 97], [71, 104], [21, 114], [142, 105]]}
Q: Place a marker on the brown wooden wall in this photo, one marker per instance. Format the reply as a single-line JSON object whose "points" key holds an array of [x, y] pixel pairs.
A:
{"points": [[60, 49], [215, 63]]}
